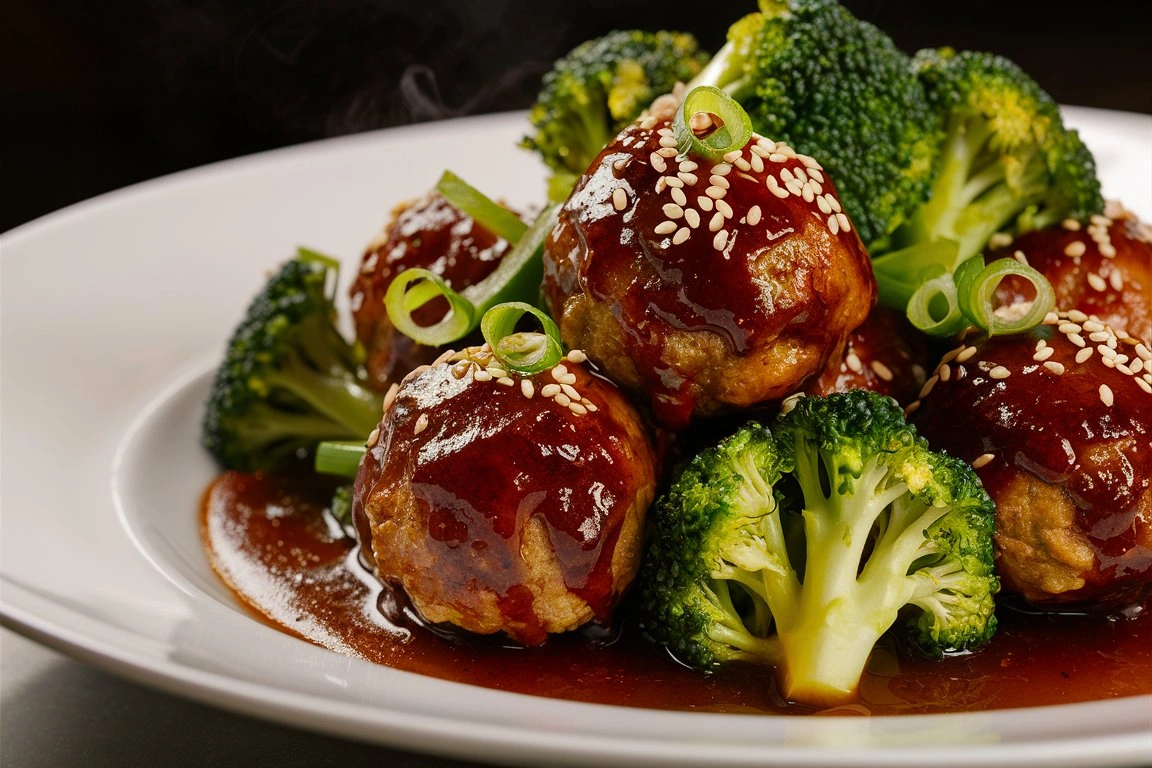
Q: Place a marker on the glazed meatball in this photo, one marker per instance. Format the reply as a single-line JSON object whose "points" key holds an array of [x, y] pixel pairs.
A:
{"points": [[426, 232], [705, 285], [506, 503], [1059, 427], [886, 354], [1102, 267]]}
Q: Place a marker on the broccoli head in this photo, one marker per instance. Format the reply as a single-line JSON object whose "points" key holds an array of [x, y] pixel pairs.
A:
{"points": [[1007, 161], [800, 545], [596, 89], [289, 379], [837, 88]]}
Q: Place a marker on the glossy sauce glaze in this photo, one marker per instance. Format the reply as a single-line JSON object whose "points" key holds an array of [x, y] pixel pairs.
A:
{"points": [[753, 249], [272, 542]]}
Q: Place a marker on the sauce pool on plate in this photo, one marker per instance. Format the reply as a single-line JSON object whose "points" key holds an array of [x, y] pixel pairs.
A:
{"points": [[271, 541]]}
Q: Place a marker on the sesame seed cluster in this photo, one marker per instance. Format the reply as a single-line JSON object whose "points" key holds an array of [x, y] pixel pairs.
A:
{"points": [[478, 364], [1096, 344], [695, 196]]}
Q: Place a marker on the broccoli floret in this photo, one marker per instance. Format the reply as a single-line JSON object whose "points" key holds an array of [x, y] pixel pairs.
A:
{"points": [[289, 378], [596, 89], [800, 545], [837, 88], [1008, 162]]}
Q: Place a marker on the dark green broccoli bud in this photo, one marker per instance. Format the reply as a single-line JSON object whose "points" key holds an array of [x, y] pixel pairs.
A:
{"points": [[289, 378], [800, 546], [1008, 162], [596, 89], [811, 74]]}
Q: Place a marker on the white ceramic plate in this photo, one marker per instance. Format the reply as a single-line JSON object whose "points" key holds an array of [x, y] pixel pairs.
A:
{"points": [[114, 313]]}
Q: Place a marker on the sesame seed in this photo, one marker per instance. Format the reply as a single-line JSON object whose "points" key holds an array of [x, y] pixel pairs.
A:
{"points": [[619, 199], [570, 390], [1107, 250], [720, 240], [482, 376], [673, 211], [1143, 351], [760, 150], [687, 166], [717, 222], [1054, 367], [982, 460], [928, 385], [658, 163], [1106, 351], [786, 175], [1106, 395], [1116, 280], [822, 204], [808, 192], [421, 424], [576, 356], [496, 371], [1000, 240], [1084, 354], [944, 372], [1096, 282], [754, 215], [1072, 225], [966, 354], [1000, 372], [1076, 339], [1075, 249], [1144, 385], [1068, 328], [852, 360], [692, 216], [845, 224], [665, 228], [833, 225], [667, 152], [1020, 257], [688, 178], [667, 141], [562, 399], [719, 181], [757, 162], [715, 192], [390, 397], [704, 202], [881, 370], [721, 169], [661, 184], [505, 381], [724, 208], [778, 157], [577, 409], [681, 235], [550, 390], [912, 407], [527, 388], [742, 164], [679, 197], [1093, 326], [373, 438], [1077, 316], [672, 181], [815, 175], [774, 187], [589, 405]]}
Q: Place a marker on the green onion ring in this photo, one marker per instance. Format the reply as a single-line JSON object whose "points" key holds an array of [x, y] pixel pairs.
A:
{"points": [[734, 132], [483, 210], [979, 290], [338, 457], [523, 352], [977, 310], [920, 307]]}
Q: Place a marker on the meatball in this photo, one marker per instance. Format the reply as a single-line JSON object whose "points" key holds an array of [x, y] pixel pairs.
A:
{"points": [[506, 503], [1102, 268], [706, 285], [426, 232], [1059, 428], [886, 354]]}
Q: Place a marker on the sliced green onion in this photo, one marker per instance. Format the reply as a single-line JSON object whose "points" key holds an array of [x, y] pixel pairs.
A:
{"points": [[977, 291], [339, 458], [485, 211], [517, 278], [730, 127], [521, 351], [934, 309]]}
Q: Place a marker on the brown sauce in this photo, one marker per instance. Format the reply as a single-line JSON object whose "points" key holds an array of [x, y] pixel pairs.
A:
{"points": [[271, 542]]}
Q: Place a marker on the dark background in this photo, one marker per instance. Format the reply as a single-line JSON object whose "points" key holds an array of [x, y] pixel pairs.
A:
{"points": [[98, 95]]}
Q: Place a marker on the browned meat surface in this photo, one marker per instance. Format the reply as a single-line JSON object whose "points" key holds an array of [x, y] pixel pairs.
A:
{"points": [[706, 285], [1102, 267], [1059, 427], [885, 354], [502, 503], [430, 233]]}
